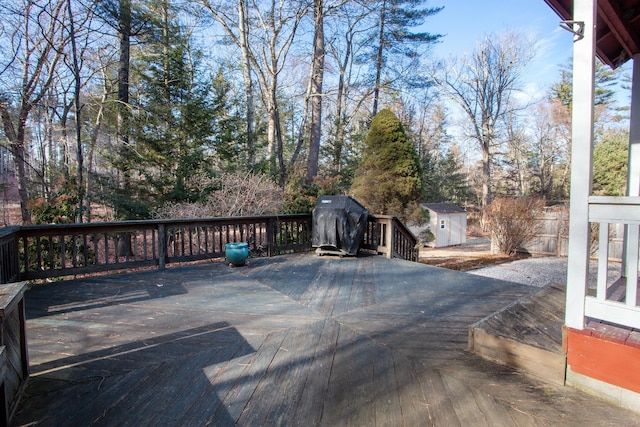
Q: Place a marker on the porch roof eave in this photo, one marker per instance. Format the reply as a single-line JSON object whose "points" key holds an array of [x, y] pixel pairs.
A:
{"points": [[618, 28]]}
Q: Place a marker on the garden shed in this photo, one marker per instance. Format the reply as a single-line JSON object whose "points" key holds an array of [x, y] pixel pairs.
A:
{"points": [[448, 223]]}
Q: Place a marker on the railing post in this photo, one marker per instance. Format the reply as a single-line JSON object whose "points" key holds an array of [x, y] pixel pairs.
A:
{"points": [[270, 236], [16, 257], [162, 246], [387, 229]]}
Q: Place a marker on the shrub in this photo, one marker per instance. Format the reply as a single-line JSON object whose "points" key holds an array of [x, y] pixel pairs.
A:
{"points": [[301, 196], [426, 236], [512, 222], [233, 194], [62, 207], [241, 194]]}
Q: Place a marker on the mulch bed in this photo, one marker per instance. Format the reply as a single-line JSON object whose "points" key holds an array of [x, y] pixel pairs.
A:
{"points": [[466, 263]]}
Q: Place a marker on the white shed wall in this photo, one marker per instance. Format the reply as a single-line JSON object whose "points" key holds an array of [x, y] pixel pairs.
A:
{"points": [[448, 228]]}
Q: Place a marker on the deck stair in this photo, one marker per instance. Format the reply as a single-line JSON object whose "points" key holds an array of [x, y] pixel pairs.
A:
{"points": [[526, 335]]}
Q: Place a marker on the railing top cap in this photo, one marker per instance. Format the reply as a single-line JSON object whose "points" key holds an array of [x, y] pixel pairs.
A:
{"points": [[150, 222]]}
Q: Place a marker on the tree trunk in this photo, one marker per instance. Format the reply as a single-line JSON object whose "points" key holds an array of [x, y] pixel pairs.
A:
{"points": [[18, 152], [317, 76], [486, 137], [486, 178], [243, 28], [124, 33], [78, 119], [275, 142], [379, 59], [338, 143], [16, 146]]}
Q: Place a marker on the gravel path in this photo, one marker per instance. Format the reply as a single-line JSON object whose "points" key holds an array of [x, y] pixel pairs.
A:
{"points": [[540, 271], [537, 271]]}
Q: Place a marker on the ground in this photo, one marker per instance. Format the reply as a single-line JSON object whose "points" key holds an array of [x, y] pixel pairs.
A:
{"points": [[473, 254], [475, 257]]}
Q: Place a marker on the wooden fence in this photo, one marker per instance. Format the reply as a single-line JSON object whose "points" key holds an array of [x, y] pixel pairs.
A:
{"points": [[552, 237]]}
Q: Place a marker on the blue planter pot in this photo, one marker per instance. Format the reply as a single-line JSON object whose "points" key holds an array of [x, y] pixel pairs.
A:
{"points": [[237, 253]]}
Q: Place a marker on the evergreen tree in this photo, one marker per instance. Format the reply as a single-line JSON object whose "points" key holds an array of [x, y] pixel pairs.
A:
{"points": [[173, 118], [233, 151], [442, 178], [387, 180], [610, 164], [606, 81]]}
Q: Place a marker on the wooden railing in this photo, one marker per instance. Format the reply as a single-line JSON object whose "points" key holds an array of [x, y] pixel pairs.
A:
{"points": [[616, 301], [389, 236], [9, 257], [45, 251]]}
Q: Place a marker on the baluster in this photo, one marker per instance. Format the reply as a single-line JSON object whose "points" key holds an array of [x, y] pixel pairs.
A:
{"points": [[603, 261]]}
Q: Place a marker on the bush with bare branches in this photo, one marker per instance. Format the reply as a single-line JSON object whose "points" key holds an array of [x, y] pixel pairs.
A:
{"points": [[233, 194], [512, 222]]}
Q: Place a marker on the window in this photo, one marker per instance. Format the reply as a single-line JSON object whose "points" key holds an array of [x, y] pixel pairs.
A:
{"points": [[443, 224]]}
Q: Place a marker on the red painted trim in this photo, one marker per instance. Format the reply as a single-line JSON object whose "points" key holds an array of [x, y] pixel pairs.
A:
{"points": [[607, 360]]}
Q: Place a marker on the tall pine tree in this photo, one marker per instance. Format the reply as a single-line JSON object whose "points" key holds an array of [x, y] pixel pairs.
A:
{"points": [[172, 117], [394, 38]]}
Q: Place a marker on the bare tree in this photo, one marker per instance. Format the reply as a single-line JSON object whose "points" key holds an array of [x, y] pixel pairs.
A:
{"points": [[237, 28], [517, 148], [482, 85], [549, 154], [344, 43], [317, 77], [37, 39], [82, 39], [274, 25]]}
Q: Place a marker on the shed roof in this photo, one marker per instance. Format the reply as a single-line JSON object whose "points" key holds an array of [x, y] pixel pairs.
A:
{"points": [[617, 28], [444, 207]]}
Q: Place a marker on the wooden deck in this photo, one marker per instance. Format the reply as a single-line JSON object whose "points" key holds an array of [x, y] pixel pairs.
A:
{"points": [[290, 340]]}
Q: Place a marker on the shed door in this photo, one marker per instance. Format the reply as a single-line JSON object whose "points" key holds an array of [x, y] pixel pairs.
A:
{"points": [[458, 230], [442, 231]]}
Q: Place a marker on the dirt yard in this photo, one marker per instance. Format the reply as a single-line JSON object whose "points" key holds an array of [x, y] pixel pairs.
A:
{"points": [[473, 254]]}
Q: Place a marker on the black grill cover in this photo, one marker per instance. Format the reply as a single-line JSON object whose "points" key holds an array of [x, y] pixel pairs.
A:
{"points": [[338, 225]]}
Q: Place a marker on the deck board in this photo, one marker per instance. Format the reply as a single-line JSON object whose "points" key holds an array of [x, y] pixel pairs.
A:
{"points": [[289, 340], [310, 406]]}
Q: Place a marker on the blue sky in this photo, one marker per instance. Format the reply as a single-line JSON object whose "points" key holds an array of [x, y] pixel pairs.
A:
{"points": [[464, 22]]}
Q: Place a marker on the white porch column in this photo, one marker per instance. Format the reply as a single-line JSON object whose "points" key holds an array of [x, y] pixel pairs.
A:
{"points": [[633, 173], [581, 163], [633, 179]]}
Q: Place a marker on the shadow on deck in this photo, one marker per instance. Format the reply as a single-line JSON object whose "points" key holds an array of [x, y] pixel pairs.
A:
{"points": [[289, 340]]}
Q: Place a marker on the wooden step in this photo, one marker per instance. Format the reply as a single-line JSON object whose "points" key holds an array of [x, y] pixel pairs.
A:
{"points": [[526, 335]]}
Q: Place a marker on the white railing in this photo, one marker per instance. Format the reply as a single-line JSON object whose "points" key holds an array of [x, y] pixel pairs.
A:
{"points": [[616, 301]]}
